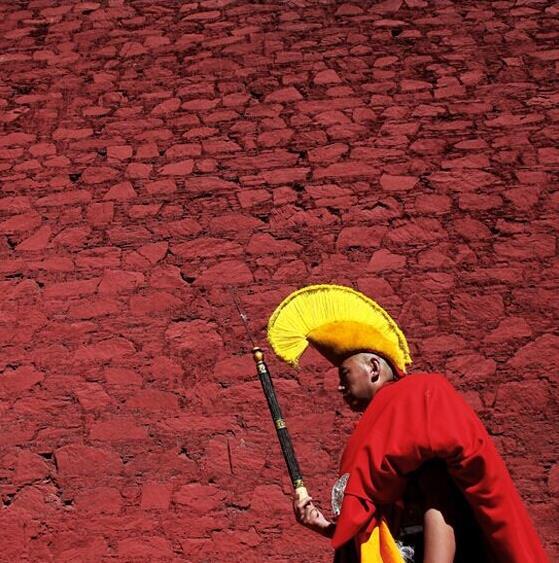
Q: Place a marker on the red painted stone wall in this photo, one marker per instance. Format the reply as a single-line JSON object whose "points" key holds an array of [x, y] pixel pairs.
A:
{"points": [[156, 155]]}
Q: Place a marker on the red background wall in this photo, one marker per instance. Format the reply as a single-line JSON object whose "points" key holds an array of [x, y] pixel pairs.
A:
{"points": [[155, 155]]}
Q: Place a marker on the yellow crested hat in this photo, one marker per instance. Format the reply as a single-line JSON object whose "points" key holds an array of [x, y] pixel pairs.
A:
{"points": [[338, 321]]}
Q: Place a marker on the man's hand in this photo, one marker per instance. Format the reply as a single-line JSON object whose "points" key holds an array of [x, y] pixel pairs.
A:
{"points": [[309, 516]]}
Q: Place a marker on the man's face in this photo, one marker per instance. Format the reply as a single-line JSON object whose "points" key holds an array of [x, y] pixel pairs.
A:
{"points": [[360, 379]]}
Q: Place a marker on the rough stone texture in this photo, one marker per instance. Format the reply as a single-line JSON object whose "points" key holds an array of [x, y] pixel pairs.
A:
{"points": [[156, 155]]}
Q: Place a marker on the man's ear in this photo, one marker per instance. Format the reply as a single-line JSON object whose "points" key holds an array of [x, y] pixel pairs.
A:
{"points": [[374, 367]]}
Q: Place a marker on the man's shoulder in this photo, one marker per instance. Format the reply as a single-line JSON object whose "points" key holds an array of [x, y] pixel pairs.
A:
{"points": [[413, 388], [424, 380]]}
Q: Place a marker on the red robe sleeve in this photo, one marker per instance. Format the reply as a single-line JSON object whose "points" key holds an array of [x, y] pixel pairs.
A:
{"points": [[420, 418]]}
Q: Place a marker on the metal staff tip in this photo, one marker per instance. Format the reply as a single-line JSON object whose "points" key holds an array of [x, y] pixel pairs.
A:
{"points": [[244, 319]]}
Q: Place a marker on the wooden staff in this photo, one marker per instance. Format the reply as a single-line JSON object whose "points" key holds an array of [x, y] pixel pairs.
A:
{"points": [[270, 394], [279, 422]]}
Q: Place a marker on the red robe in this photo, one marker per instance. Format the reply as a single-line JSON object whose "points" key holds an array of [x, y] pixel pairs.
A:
{"points": [[416, 419]]}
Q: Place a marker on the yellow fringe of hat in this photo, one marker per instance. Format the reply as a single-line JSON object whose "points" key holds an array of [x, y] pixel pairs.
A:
{"points": [[338, 321]]}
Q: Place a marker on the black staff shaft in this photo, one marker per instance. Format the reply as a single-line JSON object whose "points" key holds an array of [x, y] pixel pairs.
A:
{"points": [[281, 429]]}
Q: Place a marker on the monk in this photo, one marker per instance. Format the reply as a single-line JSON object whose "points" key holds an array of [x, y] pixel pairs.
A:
{"points": [[420, 479]]}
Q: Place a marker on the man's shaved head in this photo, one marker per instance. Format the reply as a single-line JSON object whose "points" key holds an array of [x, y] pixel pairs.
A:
{"points": [[361, 377]]}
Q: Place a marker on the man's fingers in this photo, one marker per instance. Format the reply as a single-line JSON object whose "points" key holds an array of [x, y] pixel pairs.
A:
{"points": [[300, 505], [306, 512], [303, 502], [299, 508], [309, 514]]}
